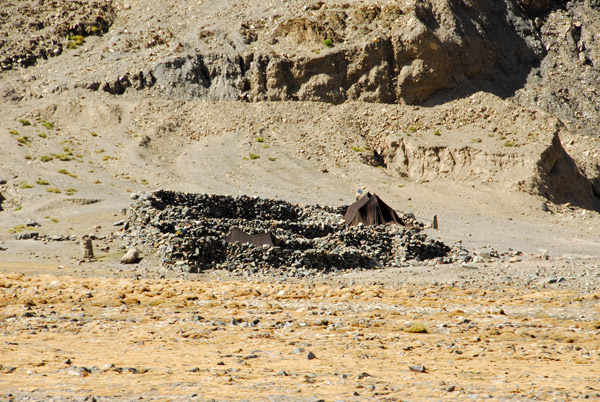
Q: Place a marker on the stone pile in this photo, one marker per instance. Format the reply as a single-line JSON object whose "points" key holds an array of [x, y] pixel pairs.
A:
{"points": [[188, 231]]}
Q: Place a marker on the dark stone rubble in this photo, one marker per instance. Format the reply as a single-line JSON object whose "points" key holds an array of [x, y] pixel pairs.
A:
{"points": [[188, 231]]}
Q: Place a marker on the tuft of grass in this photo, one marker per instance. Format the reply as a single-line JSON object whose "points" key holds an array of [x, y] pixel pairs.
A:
{"points": [[99, 151], [358, 149], [272, 159], [23, 140], [437, 132], [266, 146], [97, 181], [53, 190], [509, 143], [46, 158], [94, 134], [413, 129], [28, 157], [25, 122], [42, 182], [23, 185], [476, 140], [48, 124], [260, 139], [328, 42], [42, 135], [144, 182], [253, 156], [18, 207], [13, 132], [66, 172], [417, 328], [54, 220], [74, 41], [94, 30], [70, 191]]}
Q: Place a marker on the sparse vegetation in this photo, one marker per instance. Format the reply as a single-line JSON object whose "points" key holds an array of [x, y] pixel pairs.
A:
{"points": [[46, 158], [48, 124], [417, 328], [272, 159], [266, 146], [94, 134], [412, 129], [254, 156], [74, 41], [357, 149], [18, 207], [260, 139], [66, 172], [23, 185], [14, 132], [54, 190], [28, 157], [328, 42], [23, 140], [70, 191], [509, 143], [42, 182], [54, 220], [25, 122], [42, 135], [437, 132]]}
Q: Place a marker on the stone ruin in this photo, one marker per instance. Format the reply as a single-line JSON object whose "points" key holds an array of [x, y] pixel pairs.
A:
{"points": [[188, 231]]}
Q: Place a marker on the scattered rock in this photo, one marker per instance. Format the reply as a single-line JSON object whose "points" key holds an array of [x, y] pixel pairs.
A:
{"points": [[417, 369], [87, 249], [310, 356], [131, 256]]}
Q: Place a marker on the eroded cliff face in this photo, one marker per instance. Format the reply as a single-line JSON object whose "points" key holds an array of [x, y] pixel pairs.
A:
{"points": [[404, 55]]}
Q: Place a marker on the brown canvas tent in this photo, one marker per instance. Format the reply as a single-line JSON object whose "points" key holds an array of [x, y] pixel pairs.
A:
{"points": [[370, 210], [259, 240]]}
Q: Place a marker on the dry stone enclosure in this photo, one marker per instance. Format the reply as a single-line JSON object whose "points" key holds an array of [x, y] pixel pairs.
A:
{"points": [[189, 231]]}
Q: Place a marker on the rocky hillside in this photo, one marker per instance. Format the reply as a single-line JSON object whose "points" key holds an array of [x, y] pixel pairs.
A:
{"points": [[522, 72]]}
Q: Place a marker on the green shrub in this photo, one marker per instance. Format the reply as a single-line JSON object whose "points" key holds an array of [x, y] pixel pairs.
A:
{"points": [[66, 172], [23, 140], [46, 158], [25, 185], [417, 328], [509, 143], [42, 182], [94, 134], [53, 190], [437, 132], [70, 191], [357, 149], [328, 42], [25, 122], [28, 157], [260, 139], [74, 41], [272, 159], [14, 132], [254, 156], [42, 135], [48, 124]]}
